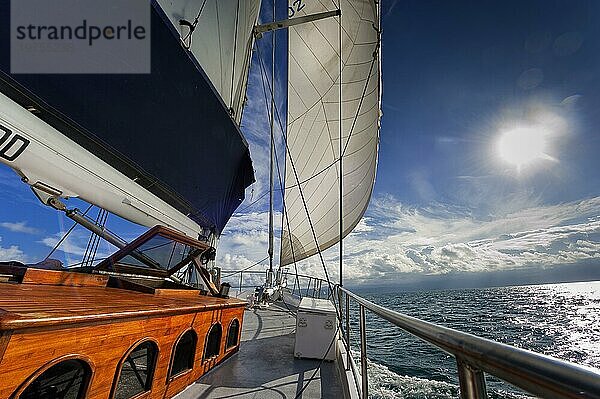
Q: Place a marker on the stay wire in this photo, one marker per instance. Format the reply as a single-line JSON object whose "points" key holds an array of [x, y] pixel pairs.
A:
{"points": [[331, 290], [64, 237], [246, 268], [97, 238], [338, 311], [191, 26], [253, 202], [86, 253]]}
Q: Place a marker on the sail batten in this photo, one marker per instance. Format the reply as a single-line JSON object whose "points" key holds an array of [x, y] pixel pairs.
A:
{"points": [[313, 128]]}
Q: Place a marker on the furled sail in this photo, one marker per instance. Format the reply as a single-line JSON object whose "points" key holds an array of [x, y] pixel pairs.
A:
{"points": [[313, 137], [221, 41], [156, 149]]}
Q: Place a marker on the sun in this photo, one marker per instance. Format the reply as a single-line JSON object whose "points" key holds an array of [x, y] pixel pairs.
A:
{"points": [[523, 146]]}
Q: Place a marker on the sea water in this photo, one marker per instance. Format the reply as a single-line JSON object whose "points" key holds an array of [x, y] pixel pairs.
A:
{"points": [[561, 320]]}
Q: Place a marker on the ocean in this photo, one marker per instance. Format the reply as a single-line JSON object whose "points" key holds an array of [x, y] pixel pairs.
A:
{"points": [[561, 320]]}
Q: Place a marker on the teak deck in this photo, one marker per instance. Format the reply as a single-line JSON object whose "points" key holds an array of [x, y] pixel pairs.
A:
{"points": [[52, 316]]}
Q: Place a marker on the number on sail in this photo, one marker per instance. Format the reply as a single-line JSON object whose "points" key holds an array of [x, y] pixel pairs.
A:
{"points": [[299, 6], [15, 146]]}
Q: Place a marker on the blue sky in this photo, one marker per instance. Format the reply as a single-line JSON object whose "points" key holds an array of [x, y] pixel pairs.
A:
{"points": [[448, 207]]}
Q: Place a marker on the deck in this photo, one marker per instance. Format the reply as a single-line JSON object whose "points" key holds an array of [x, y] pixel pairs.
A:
{"points": [[265, 366]]}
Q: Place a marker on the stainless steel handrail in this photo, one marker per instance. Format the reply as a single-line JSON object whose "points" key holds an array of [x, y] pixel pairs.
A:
{"points": [[533, 372], [314, 288]]}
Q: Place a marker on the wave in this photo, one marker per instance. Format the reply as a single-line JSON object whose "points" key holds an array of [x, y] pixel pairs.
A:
{"points": [[386, 384]]}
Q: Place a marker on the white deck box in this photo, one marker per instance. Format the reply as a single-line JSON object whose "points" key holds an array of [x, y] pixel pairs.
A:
{"points": [[315, 329]]}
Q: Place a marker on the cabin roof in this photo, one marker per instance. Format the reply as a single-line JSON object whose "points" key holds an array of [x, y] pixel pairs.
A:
{"points": [[39, 305]]}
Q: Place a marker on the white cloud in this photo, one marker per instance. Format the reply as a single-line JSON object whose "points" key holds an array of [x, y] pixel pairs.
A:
{"points": [[395, 240], [12, 253], [440, 240], [20, 227], [246, 240]]}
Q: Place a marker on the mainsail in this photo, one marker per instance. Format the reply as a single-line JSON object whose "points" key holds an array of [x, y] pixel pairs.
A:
{"points": [[313, 136], [220, 37], [157, 149]]}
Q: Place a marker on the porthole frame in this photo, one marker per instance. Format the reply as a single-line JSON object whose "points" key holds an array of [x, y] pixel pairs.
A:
{"points": [[213, 357], [237, 338], [172, 359], [119, 369], [84, 359]]}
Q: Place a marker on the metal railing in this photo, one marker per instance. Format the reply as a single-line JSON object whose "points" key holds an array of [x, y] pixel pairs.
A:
{"points": [[301, 286], [537, 374]]}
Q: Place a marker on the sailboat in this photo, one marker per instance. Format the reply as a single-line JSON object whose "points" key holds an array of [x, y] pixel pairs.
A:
{"points": [[164, 150]]}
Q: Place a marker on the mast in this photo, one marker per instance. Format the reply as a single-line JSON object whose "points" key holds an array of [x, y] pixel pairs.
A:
{"points": [[271, 183], [341, 188]]}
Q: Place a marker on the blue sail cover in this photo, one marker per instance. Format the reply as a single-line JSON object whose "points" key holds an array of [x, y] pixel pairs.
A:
{"points": [[168, 130]]}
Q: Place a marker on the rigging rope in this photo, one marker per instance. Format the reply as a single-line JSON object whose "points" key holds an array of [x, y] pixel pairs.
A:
{"points": [[91, 240], [64, 237], [191, 26], [94, 241], [246, 268], [95, 251], [81, 263], [297, 179], [237, 15], [280, 179], [333, 297], [253, 202]]}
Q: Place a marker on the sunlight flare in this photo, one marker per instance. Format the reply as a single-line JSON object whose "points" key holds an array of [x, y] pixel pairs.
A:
{"points": [[523, 145]]}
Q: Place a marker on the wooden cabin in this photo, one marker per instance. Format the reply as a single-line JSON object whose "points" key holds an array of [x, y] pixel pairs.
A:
{"points": [[105, 334]]}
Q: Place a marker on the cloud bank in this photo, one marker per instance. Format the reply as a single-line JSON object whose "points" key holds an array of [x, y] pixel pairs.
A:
{"points": [[395, 241]]}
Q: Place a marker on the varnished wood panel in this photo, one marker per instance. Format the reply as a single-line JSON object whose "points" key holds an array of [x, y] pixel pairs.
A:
{"points": [[203, 322], [54, 277], [32, 305], [169, 293], [4, 339], [105, 345]]}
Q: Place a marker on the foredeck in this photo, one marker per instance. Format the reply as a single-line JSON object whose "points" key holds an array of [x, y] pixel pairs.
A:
{"points": [[265, 366]]}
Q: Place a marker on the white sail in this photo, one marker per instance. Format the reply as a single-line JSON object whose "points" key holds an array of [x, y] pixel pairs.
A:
{"points": [[221, 42], [312, 162]]}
